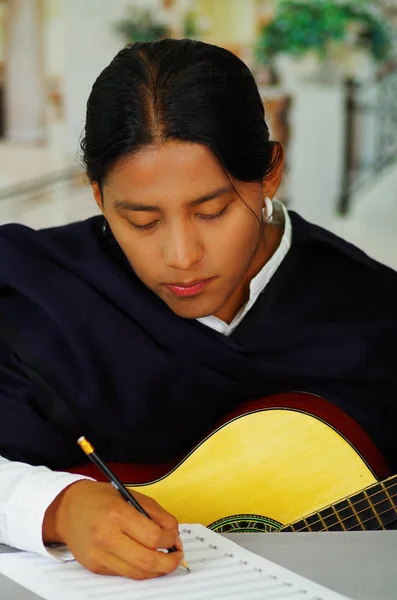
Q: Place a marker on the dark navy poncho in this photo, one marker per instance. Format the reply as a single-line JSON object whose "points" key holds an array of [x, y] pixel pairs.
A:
{"points": [[95, 352]]}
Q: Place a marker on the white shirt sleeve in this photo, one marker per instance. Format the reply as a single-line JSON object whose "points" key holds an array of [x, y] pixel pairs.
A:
{"points": [[25, 494]]}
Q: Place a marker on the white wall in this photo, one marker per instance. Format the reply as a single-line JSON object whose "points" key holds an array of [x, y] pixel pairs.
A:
{"points": [[80, 40], [91, 43], [316, 151], [24, 97], [54, 38]]}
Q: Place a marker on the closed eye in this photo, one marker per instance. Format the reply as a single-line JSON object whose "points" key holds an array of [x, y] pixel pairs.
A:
{"points": [[214, 216], [153, 224], [142, 227]]}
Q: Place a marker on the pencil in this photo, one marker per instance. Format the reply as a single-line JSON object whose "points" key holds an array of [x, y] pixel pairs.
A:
{"points": [[89, 450]]}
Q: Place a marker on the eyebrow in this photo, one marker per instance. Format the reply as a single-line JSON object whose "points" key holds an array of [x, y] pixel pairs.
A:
{"points": [[124, 204]]}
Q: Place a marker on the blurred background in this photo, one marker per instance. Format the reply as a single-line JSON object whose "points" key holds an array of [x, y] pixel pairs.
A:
{"points": [[327, 72]]}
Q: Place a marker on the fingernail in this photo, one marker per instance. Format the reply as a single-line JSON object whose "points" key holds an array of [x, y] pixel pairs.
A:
{"points": [[179, 544]]}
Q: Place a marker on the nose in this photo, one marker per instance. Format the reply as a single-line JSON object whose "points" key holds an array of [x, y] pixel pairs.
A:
{"points": [[182, 248]]}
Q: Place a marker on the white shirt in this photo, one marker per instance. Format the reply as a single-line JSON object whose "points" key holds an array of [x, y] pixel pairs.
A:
{"points": [[260, 281], [26, 491]]}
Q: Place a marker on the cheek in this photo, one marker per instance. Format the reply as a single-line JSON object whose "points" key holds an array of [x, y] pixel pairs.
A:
{"points": [[145, 264], [238, 240], [228, 247]]}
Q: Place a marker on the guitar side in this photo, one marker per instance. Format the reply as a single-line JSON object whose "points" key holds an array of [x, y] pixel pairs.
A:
{"points": [[270, 463], [278, 459]]}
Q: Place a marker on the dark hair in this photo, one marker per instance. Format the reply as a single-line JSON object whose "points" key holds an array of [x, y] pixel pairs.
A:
{"points": [[178, 90]]}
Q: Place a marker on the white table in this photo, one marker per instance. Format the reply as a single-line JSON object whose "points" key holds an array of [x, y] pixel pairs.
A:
{"points": [[363, 566]]}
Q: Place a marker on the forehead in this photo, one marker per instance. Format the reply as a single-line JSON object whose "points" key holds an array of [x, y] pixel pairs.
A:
{"points": [[172, 166]]}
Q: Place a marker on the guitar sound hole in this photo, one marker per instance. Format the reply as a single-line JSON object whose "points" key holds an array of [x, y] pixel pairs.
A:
{"points": [[245, 524]]}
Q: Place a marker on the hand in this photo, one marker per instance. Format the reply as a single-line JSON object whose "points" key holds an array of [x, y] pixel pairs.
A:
{"points": [[110, 537]]}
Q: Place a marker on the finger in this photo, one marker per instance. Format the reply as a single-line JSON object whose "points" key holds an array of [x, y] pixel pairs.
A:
{"points": [[143, 530], [110, 564], [145, 559], [179, 544], [122, 517], [157, 512], [162, 517]]}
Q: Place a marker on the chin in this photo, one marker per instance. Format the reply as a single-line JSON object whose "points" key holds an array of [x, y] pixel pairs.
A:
{"points": [[192, 310]]}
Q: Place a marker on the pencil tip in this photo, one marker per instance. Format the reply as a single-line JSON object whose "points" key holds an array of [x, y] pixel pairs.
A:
{"points": [[184, 565]]}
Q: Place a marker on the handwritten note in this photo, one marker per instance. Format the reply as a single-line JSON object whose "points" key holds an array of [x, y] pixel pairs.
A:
{"points": [[220, 569]]}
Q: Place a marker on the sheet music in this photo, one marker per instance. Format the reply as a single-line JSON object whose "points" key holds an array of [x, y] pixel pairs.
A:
{"points": [[220, 569]]}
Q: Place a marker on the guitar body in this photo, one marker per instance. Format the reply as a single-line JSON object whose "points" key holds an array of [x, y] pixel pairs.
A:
{"points": [[266, 466]]}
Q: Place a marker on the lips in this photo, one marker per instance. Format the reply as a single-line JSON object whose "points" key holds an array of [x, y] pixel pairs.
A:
{"points": [[188, 289]]}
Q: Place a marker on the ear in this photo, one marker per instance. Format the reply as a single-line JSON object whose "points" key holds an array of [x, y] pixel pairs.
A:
{"points": [[96, 190], [271, 183]]}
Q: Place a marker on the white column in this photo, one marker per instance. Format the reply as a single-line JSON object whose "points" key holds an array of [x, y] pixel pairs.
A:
{"points": [[25, 83], [316, 151]]}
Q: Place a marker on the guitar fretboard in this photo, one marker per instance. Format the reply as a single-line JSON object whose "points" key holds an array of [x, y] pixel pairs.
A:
{"points": [[373, 508]]}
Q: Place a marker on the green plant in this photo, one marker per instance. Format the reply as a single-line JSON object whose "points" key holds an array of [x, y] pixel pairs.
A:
{"points": [[302, 25], [190, 25], [141, 26]]}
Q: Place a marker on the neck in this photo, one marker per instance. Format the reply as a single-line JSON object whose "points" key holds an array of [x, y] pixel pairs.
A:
{"points": [[268, 244]]}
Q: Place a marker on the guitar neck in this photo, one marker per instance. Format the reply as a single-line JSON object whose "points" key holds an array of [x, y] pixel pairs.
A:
{"points": [[373, 508]]}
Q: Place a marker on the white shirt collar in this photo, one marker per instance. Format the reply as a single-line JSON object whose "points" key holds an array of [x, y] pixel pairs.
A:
{"points": [[260, 281]]}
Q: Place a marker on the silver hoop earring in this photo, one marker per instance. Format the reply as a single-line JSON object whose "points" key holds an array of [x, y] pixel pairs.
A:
{"points": [[267, 210]]}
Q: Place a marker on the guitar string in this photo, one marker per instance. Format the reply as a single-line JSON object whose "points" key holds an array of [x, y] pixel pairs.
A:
{"points": [[370, 519], [358, 523], [354, 513]]}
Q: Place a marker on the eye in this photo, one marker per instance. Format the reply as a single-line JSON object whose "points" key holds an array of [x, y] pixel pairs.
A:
{"points": [[215, 216], [142, 227]]}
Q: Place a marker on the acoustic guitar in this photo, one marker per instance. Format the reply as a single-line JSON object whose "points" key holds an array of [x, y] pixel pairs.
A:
{"points": [[289, 462]]}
